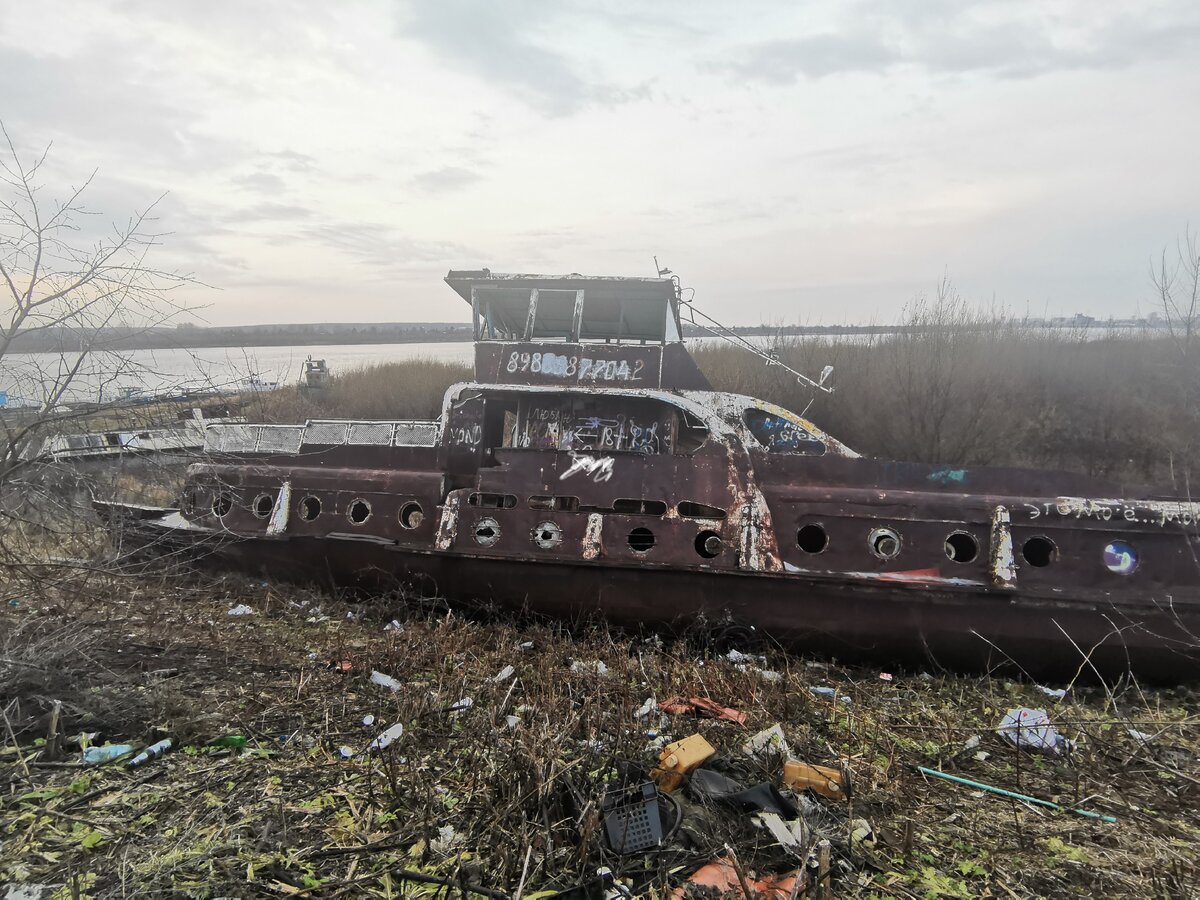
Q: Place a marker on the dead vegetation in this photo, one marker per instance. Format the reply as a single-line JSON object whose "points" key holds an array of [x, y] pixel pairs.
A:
{"points": [[503, 793], [411, 389]]}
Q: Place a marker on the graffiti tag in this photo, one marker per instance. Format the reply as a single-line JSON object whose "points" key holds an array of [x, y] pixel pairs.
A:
{"points": [[600, 468]]}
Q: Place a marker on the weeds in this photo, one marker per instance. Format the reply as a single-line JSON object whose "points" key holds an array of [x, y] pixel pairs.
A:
{"points": [[475, 797]]}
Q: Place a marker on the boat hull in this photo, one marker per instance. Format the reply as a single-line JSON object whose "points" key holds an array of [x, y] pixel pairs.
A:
{"points": [[957, 629]]}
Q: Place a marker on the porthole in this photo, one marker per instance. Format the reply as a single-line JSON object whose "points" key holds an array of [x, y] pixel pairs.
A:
{"points": [[1039, 551], [641, 540], [1120, 558], [709, 544], [812, 538], [962, 547], [310, 508], [547, 535], [222, 504], [411, 515], [487, 531], [358, 512], [884, 543], [263, 504]]}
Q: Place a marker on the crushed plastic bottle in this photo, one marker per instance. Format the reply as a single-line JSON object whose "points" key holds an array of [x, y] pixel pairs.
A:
{"points": [[386, 739], [94, 756], [386, 681], [232, 741], [154, 751]]}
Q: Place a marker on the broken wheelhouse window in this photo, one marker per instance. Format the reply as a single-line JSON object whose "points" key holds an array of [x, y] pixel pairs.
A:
{"points": [[781, 435]]}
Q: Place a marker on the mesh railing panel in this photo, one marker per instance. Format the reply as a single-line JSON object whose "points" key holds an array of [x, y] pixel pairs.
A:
{"points": [[291, 438], [377, 434], [326, 433], [231, 438], [281, 438], [416, 434]]}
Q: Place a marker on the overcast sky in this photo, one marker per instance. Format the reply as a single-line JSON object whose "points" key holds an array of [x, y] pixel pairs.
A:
{"points": [[791, 161]]}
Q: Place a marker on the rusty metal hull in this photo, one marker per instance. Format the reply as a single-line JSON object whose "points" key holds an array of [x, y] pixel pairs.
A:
{"points": [[887, 624]]}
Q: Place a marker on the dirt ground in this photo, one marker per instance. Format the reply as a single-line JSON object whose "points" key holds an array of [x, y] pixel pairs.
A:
{"points": [[500, 796]]}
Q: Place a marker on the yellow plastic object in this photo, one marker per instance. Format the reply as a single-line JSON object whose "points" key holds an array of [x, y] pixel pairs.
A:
{"points": [[679, 758], [831, 783]]}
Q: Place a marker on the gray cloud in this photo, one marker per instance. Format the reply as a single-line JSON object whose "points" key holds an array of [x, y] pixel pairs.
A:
{"points": [[949, 40], [490, 40], [382, 247], [498, 42], [111, 94], [269, 212], [261, 182], [447, 178], [783, 61]]}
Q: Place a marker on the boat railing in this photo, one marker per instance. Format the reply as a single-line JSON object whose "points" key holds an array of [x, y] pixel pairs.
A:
{"points": [[318, 433]]}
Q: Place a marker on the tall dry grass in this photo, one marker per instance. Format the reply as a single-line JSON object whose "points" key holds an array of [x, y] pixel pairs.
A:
{"points": [[970, 387], [409, 389]]}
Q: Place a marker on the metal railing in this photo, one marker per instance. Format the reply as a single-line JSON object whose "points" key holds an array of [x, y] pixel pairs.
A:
{"points": [[318, 433]]}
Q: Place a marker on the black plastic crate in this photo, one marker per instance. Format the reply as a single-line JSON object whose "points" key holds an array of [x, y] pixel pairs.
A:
{"points": [[631, 817]]}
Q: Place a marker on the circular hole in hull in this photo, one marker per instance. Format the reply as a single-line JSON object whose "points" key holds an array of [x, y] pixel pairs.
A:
{"points": [[1039, 551], [547, 535], [709, 544], [487, 532], [884, 543], [358, 512], [812, 538], [962, 547], [641, 540], [411, 515]]}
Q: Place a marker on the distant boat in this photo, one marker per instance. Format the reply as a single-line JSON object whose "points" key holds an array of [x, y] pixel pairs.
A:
{"points": [[256, 385], [315, 376]]}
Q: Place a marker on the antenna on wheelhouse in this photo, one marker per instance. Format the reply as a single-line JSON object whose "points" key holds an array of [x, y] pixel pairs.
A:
{"points": [[716, 329]]}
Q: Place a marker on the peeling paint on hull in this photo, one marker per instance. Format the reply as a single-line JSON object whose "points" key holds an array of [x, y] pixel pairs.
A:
{"points": [[958, 626]]}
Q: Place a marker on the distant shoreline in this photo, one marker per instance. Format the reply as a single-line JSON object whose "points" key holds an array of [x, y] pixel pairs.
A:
{"points": [[364, 334]]}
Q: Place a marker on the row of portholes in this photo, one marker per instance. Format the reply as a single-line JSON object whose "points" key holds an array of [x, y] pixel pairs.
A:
{"points": [[1039, 551], [358, 512], [885, 543], [548, 535]]}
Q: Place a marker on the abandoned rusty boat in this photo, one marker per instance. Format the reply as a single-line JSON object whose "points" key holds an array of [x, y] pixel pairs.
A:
{"points": [[591, 467]]}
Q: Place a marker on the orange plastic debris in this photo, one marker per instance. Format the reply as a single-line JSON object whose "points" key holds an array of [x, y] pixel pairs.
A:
{"points": [[678, 759], [721, 875], [801, 776], [702, 707]]}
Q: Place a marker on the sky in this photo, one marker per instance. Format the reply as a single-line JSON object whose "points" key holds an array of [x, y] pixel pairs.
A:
{"points": [[793, 162]]}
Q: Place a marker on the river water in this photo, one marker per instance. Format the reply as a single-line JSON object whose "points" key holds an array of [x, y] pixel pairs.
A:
{"points": [[25, 377]]}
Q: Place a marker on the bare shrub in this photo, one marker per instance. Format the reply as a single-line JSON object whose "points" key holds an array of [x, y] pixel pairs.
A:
{"points": [[76, 287]]}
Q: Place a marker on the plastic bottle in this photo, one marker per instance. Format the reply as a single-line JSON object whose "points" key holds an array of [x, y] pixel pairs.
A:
{"points": [[386, 739], [152, 752], [94, 756]]}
